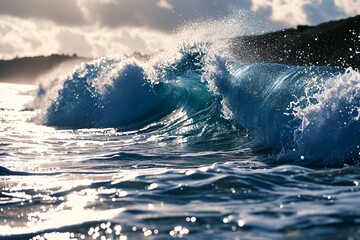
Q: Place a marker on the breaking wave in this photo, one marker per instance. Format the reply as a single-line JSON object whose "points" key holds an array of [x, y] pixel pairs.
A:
{"points": [[307, 115]]}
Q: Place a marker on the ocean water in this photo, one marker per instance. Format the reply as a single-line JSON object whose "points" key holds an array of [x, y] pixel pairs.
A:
{"points": [[186, 144]]}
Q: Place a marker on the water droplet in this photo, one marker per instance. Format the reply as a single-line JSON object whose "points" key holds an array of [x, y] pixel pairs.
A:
{"points": [[148, 233], [153, 186], [241, 222]]}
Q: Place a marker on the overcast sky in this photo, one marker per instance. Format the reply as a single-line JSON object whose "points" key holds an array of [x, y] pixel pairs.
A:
{"points": [[103, 27]]}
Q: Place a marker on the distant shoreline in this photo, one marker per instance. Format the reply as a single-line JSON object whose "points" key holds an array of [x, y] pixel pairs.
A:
{"points": [[29, 69]]}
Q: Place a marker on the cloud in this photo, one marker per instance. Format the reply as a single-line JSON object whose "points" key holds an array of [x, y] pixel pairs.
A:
{"points": [[27, 38], [164, 4], [159, 14], [62, 12], [167, 15], [287, 11], [349, 7], [124, 40], [310, 12], [134, 13], [6, 48], [79, 44], [102, 27]]}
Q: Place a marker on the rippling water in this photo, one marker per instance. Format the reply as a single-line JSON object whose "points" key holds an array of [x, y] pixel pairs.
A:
{"points": [[205, 148]]}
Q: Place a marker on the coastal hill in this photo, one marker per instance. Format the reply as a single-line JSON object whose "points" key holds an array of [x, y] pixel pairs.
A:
{"points": [[335, 43], [29, 69]]}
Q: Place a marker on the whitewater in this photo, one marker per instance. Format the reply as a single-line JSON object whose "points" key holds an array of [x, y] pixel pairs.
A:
{"points": [[188, 142]]}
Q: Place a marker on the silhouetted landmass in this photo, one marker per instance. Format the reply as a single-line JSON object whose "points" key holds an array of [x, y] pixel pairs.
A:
{"points": [[28, 69], [335, 43]]}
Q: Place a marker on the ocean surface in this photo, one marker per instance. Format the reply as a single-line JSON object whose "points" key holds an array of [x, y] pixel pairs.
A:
{"points": [[186, 144]]}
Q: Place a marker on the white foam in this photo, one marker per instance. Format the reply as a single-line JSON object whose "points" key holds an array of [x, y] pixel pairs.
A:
{"points": [[330, 129]]}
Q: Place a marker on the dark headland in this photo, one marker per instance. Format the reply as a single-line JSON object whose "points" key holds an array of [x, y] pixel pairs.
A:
{"points": [[29, 69], [335, 43]]}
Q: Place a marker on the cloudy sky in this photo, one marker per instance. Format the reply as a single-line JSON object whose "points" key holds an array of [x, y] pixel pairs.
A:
{"points": [[102, 27]]}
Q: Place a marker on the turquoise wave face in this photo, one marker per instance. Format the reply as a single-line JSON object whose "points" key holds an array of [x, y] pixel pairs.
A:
{"points": [[114, 93], [309, 115], [304, 114]]}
